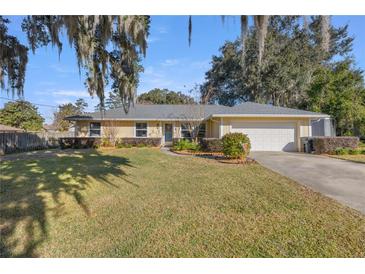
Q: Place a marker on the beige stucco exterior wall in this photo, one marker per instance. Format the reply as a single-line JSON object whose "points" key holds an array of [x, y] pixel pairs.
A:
{"points": [[154, 129], [121, 128], [82, 128]]}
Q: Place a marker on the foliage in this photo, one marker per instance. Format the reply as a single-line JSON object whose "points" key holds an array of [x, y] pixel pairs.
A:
{"points": [[185, 144], [330, 144], [13, 60], [211, 144], [107, 48], [342, 151], [105, 142], [236, 145], [21, 114], [65, 110], [164, 96], [81, 105], [338, 90], [261, 25], [292, 54], [137, 142]]}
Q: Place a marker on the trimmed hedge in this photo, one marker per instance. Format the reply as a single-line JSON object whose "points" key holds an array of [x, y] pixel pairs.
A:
{"points": [[79, 142], [330, 144], [138, 142], [211, 144]]}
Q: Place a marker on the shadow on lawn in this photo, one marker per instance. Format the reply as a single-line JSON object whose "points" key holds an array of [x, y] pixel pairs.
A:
{"points": [[31, 190]]}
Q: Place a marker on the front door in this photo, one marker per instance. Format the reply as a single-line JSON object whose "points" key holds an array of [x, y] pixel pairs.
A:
{"points": [[168, 133]]}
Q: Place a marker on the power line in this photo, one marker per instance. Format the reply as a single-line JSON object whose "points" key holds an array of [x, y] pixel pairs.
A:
{"points": [[42, 105]]}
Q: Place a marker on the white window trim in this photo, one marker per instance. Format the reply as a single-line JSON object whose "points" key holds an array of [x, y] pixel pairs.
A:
{"points": [[205, 132], [181, 129], [135, 129], [101, 130]]}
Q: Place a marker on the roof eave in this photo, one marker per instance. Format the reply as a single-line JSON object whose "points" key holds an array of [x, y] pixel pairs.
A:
{"points": [[273, 115], [131, 119]]}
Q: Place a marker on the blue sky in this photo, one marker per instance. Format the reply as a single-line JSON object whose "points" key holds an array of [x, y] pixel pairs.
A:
{"points": [[170, 62]]}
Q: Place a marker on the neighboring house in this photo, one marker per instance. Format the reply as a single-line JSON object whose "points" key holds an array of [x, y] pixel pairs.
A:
{"points": [[9, 129], [269, 128], [50, 128]]}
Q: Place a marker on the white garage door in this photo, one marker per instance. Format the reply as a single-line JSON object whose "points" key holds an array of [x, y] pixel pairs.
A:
{"points": [[268, 136]]}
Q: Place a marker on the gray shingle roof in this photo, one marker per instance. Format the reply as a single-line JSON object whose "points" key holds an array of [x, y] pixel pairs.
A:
{"points": [[250, 108], [183, 112]]}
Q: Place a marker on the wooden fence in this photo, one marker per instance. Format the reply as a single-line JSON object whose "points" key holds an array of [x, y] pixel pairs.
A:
{"points": [[28, 141]]}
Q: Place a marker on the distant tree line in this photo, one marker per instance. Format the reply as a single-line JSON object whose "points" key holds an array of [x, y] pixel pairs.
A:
{"points": [[154, 96]]}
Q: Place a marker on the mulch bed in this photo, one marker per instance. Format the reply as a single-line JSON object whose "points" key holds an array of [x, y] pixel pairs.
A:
{"points": [[219, 156]]}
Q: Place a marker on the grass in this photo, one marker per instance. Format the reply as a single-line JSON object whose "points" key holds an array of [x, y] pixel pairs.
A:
{"points": [[140, 202], [360, 158]]}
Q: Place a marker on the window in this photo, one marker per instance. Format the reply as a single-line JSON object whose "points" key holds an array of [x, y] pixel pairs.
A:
{"points": [[201, 133], [95, 129], [185, 131], [141, 129]]}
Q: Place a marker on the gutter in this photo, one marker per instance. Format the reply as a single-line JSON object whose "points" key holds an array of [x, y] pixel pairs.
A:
{"points": [[272, 115]]}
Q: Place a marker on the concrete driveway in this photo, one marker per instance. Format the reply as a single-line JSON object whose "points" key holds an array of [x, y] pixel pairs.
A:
{"points": [[341, 180]]}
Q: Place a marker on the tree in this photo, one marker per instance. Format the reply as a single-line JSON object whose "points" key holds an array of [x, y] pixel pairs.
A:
{"points": [[292, 54], [91, 37], [338, 90], [65, 110], [164, 96], [81, 105], [21, 114], [13, 60], [261, 24]]}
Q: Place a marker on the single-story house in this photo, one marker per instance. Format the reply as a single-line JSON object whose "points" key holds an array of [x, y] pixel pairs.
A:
{"points": [[270, 128]]}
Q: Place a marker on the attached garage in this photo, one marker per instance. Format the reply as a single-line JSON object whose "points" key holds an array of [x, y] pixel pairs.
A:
{"points": [[268, 136]]}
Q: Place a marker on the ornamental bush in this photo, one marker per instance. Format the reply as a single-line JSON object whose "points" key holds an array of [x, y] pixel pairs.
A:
{"points": [[211, 144], [330, 144], [185, 144], [236, 145]]}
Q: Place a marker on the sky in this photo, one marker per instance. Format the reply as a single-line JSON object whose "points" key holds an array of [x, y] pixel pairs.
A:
{"points": [[170, 62]]}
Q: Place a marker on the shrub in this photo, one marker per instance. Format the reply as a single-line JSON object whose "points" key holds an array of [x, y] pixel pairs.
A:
{"points": [[330, 144], [354, 151], [342, 151], [105, 142], [137, 142], [211, 144], [236, 145], [185, 144]]}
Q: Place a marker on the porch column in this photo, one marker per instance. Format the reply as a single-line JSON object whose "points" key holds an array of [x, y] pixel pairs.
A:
{"points": [[221, 128]]}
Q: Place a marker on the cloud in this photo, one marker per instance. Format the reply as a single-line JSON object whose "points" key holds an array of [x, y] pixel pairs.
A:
{"points": [[71, 93], [203, 64], [63, 69], [62, 102], [162, 30], [153, 39], [170, 62]]}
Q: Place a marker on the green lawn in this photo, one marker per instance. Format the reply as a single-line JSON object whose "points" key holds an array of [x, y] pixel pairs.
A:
{"points": [[360, 158], [143, 203]]}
